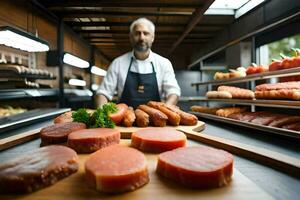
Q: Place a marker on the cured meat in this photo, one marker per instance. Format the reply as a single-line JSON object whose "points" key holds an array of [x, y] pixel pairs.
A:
{"points": [[218, 95], [157, 140], [225, 112], [129, 117], [90, 140], [185, 118], [119, 115], [116, 169], [294, 126], [63, 118], [204, 109], [237, 93], [278, 86], [173, 117], [157, 118], [246, 116], [285, 121], [142, 118], [37, 169], [58, 133], [278, 94], [266, 118], [196, 167]]}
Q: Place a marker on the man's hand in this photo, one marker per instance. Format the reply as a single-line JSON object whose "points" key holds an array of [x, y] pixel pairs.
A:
{"points": [[172, 99], [100, 100]]}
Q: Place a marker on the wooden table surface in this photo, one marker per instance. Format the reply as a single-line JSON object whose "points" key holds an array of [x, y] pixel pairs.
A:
{"points": [[268, 181]]}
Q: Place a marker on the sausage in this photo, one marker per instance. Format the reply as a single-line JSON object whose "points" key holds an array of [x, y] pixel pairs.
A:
{"points": [[218, 95], [278, 86], [157, 118], [225, 112], [142, 118], [238, 93], [185, 118], [129, 117], [278, 94], [173, 117], [203, 109]]}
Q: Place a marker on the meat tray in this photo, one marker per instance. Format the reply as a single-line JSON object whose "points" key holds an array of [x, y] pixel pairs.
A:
{"points": [[75, 187]]}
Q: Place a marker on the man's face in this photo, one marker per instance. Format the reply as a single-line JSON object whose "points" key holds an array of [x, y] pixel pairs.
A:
{"points": [[141, 38]]}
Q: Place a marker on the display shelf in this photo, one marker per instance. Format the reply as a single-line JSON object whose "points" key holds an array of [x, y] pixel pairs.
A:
{"points": [[256, 102], [280, 131], [253, 77], [26, 93]]}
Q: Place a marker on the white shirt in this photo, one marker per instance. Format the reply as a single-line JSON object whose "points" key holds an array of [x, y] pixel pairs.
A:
{"points": [[118, 69]]}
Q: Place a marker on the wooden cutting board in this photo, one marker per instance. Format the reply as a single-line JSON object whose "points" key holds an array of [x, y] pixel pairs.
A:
{"points": [[75, 187]]}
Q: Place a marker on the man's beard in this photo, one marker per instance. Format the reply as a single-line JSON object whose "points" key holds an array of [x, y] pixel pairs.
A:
{"points": [[141, 48]]}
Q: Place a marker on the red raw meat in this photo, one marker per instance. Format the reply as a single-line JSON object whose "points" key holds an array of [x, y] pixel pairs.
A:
{"points": [[90, 140], [157, 140], [116, 169], [196, 167]]}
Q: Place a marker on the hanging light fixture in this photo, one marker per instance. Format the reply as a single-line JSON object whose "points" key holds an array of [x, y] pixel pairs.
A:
{"points": [[75, 61], [18, 39], [98, 71]]}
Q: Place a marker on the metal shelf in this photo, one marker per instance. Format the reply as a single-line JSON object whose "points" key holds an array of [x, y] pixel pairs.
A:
{"points": [[27, 93], [280, 131], [256, 102], [253, 77], [14, 121]]}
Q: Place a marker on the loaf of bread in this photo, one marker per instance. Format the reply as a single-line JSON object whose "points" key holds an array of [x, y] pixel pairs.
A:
{"points": [[218, 95]]}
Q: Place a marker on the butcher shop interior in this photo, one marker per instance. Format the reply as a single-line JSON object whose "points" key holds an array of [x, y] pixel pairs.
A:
{"points": [[143, 99]]}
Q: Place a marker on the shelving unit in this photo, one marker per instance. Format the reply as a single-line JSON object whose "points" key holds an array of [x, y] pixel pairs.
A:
{"points": [[284, 104]]}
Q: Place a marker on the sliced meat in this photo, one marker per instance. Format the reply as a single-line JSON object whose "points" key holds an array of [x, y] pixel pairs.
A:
{"points": [[142, 118], [196, 167], [185, 118], [116, 169], [236, 116], [157, 140], [58, 133], [63, 118], [118, 116], [266, 118], [285, 120], [157, 118], [129, 117], [248, 116], [237, 93], [294, 126], [90, 140], [173, 117], [37, 169]]}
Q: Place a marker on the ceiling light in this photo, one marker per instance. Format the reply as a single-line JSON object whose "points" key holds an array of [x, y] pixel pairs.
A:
{"points": [[95, 87], [98, 71], [21, 40], [75, 61], [77, 82]]}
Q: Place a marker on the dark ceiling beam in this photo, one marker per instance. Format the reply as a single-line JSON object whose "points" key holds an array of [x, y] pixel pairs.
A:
{"points": [[197, 16], [118, 3], [159, 37], [99, 14], [162, 32], [80, 24]]}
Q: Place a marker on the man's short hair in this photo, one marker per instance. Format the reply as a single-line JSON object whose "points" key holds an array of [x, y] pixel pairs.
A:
{"points": [[144, 21]]}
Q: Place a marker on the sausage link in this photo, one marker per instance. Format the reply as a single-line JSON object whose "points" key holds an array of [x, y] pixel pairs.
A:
{"points": [[185, 118], [142, 118], [157, 118], [173, 117], [129, 117]]}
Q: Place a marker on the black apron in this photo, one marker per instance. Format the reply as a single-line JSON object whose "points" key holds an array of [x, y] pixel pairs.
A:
{"points": [[139, 88]]}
